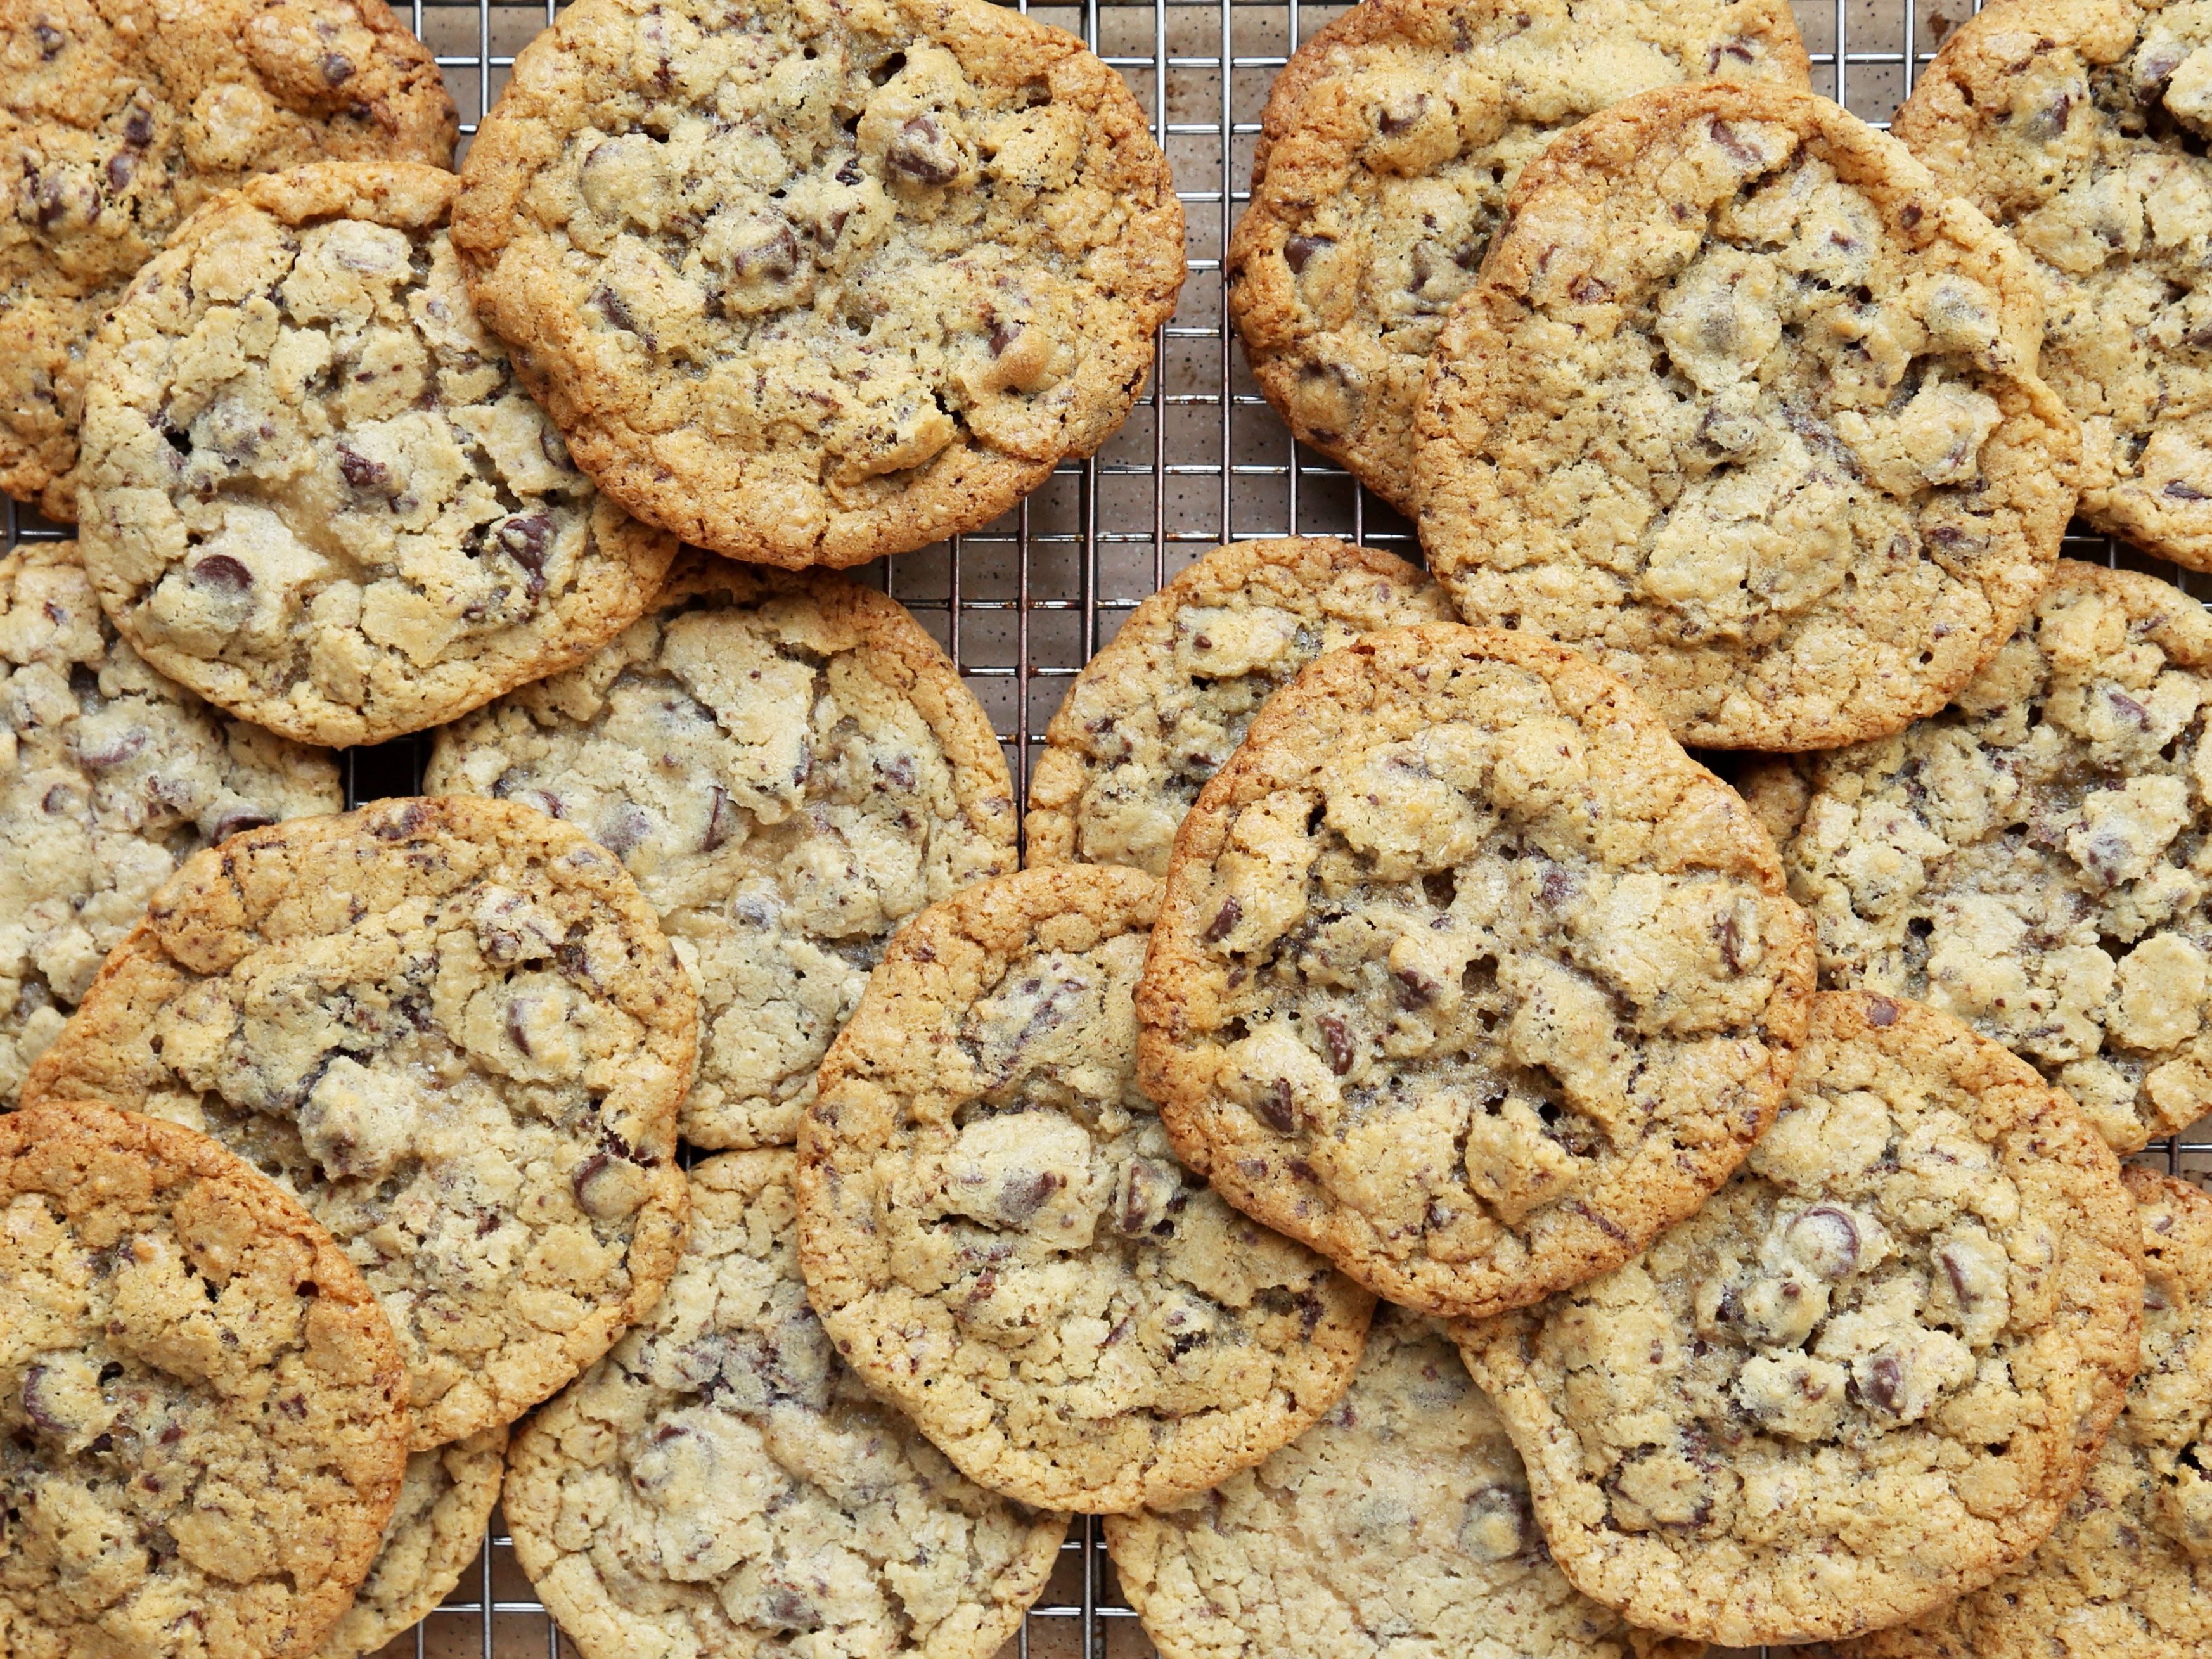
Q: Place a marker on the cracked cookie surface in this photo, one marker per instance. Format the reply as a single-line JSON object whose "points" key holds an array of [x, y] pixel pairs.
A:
{"points": [[1397, 1525], [314, 490], [999, 1237], [205, 1413], [790, 768], [1744, 408], [1159, 710], [722, 1483], [119, 118], [2037, 858], [1466, 975], [1866, 1377], [1388, 148], [2080, 126], [451, 1029], [808, 282], [111, 775]]}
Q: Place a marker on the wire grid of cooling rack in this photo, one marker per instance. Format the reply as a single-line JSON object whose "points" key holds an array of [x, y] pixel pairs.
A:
{"points": [[1021, 605]]}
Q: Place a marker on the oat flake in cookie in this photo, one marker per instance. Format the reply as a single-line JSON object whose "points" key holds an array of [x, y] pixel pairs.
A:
{"points": [[314, 491], [2037, 858], [808, 282], [721, 1483], [119, 118], [1866, 1377], [1745, 408], [790, 767], [204, 1414], [452, 1030], [1388, 148], [1398, 1524], [1466, 975], [110, 776], [1155, 714], [1000, 1239]]}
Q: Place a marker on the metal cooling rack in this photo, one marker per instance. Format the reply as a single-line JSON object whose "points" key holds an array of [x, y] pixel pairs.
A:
{"points": [[1021, 605]]}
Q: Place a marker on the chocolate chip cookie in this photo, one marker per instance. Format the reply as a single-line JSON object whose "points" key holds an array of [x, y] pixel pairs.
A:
{"points": [[2080, 126], [313, 490], [808, 284], [205, 1413], [2032, 859], [1400, 1521], [999, 1238], [1868, 1376], [451, 1029], [1745, 408], [790, 767], [119, 118], [111, 775], [1466, 975], [723, 1484], [1389, 147], [1155, 714]]}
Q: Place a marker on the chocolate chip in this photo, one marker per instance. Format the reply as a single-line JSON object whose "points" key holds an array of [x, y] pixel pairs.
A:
{"points": [[118, 749], [360, 472], [1338, 1042], [1738, 151], [2050, 121], [1884, 1383], [526, 539], [138, 129], [1957, 1275], [120, 166], [1224, 923], [221, 572], [1392, 123], [1003, 334], [2181, 492], [921, 152], [56, 799], [773, 258], [1827, 1240], [1300, 249], [1910, 215], [237, 821], [721, 819], [849, 174], [1021, 1196], [612, 308], [1277, 1108], [50, 39], [40, 1403], [1415, 990]]}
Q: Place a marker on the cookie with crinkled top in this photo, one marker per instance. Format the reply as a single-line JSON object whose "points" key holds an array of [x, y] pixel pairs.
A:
{"points": [[119, 118], [808, 282], [790, 767], [111, 775], [314, 489], [1867, 1377], [998, 1234], [1155, 714], [1466, 975], [1388, 149], [204, 1412], [1745, 407], [451, 1029]]}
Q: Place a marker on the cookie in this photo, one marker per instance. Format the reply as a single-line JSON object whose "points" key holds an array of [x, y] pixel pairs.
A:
{"points": [[313, 490], [2029, 859], [1155, 714], [434, 1533], [451, 1029], [1398, 1522], [119, 118], [205, 1413], [1388, 148], [2080, 126], [1867, 1377], [808, 283], [1745, 408], [998, 1238], [722, 1483], [1466, 975], [110, 776], [790, 768]]}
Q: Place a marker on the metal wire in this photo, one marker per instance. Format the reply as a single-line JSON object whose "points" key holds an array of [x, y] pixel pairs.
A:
{"points": [[1022, 605]]}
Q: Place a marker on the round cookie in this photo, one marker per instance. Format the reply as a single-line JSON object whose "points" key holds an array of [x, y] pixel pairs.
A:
{"points": [[205, 1413], [2080, 126], [1388, 148], [1744, 407], [1402, 1517], [313, 490], [1866, 1377], [452, 1030], [998, 1238], [810, 282], [1466, 975], [1155, 714], [721, 1483], [110, 776], [119, 118], [790, 768]]}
